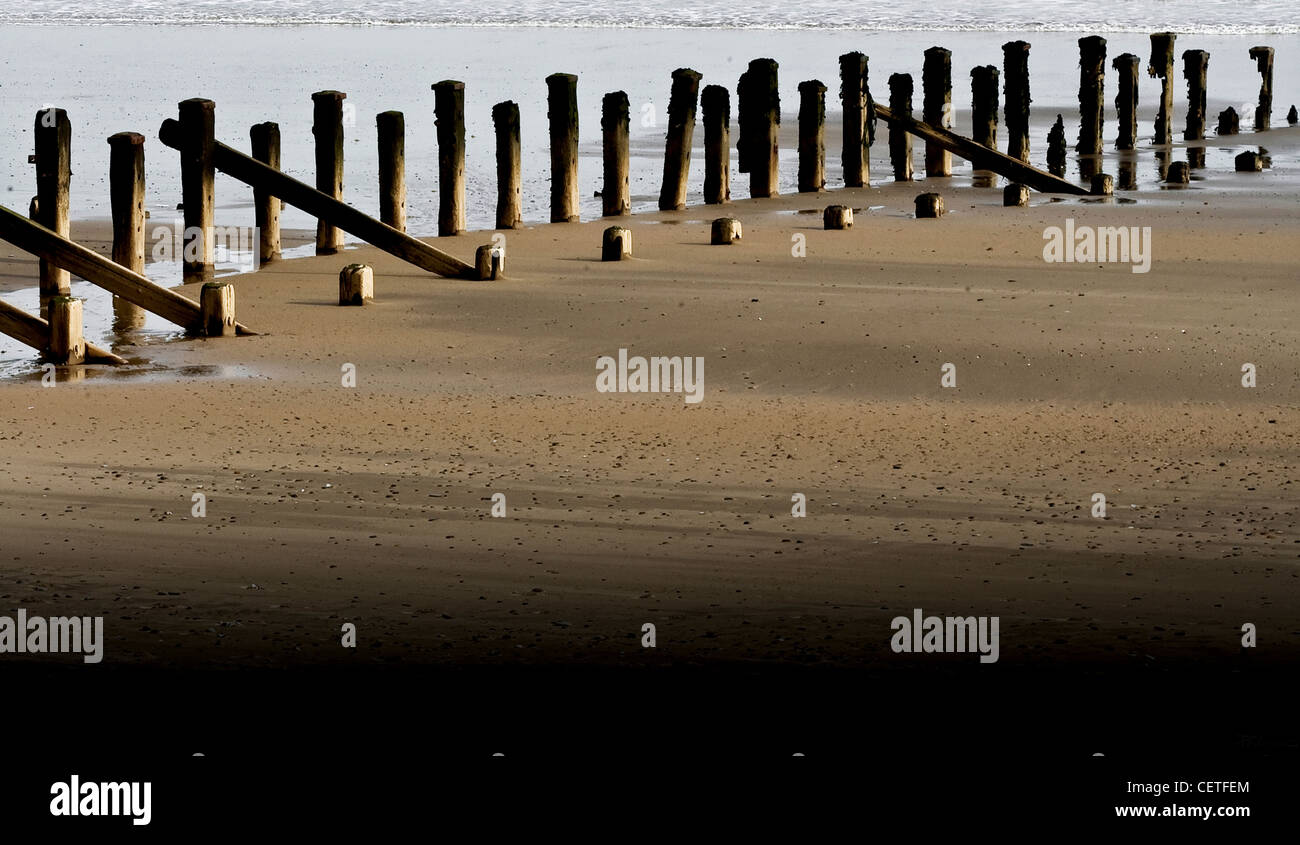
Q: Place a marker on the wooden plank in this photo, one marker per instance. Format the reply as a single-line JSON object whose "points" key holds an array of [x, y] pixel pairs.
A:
{"points": [[983, 158], [35, 332], [96, 269], [321, 205]]}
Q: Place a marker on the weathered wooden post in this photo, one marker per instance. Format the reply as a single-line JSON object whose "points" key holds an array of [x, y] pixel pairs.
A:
{"points": [[265, 138], [936, 107], [856, 98], [327, 126], [1229, 122], [449, 111], [724, 231], [1292, 116], [53, 180], [1015, 64], [812, 136], [1162, 65], [1263, 57], [489, 263], [1126, 100], [900, 140], [929, 206], [984, 106], [67, 340], [1102, 185], [562, 112], [1248, 162], [1092, 97], [217, 304], [1056, 148], [197, 119], [1195, 64], [505, 119], [1015, 196], [126, 199], [837, 217], [390, 127], [616, 244], [616, 192], [1178, 173], [356, 284], [682, 99], [716, 103], [759, 102]]}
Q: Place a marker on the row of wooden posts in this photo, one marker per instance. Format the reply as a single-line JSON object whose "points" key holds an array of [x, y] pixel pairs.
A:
{"points": [[758, 120]]}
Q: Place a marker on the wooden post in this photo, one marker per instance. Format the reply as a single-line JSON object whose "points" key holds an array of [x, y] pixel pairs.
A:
{"points": [[936, 107], [449, 111], [1248, 162], [858, 121], [197, 117], [1126, 100], [716, 103], [616, 190], [1092, 96], [929, 206], [1102, 185], [505, 118], [984, 106], [1015, 196], [1195, 63], [1056, 148], [35, 332], [1229, 122], [490, 262], [837, 217], [724, 231], [1263, 57], [390, 128], [1162, 65], [323, 206], [681, 130], [562, 105], [616, 244], [1015, 96], [1292, 116], [265, 138], [900, 141], [327, 126], [759, 100], [126, 199], [356, 284], [812, 136], [67, 341], [217, 304], [53, 180], [1179, 173]]}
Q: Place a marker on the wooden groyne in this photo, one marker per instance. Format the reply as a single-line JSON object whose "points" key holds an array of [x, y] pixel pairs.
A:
{"points": [[44, 231]]}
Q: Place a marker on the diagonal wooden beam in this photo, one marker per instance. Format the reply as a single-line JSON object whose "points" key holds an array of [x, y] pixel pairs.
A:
{"points": [[34, 238], [982, 157], [323, 206]]}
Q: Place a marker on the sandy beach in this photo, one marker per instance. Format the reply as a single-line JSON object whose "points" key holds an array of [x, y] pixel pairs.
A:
{"points": [[371, 505]]}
